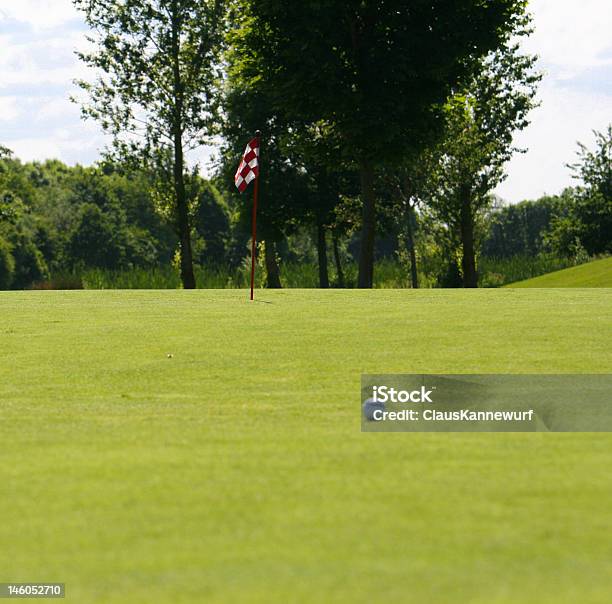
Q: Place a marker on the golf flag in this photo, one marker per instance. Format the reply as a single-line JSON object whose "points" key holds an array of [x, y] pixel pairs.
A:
{"points": [[248, 169]]}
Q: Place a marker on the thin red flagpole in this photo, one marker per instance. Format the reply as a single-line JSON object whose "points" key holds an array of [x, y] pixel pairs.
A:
{"points": [[254, 233]]}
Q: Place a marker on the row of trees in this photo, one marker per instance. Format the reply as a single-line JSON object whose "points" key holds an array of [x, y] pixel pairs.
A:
{"points": [[57, 221], [378, 118], [350, 96]]}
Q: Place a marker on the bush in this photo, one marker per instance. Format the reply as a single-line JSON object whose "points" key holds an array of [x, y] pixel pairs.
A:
{"points": [[30, 265], [96, 242], [495, 272], [7, 265]]}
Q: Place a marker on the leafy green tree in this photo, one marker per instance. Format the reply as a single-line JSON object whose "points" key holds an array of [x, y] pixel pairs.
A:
{"points": [[407, 186], [96, 242], [211, 222], [374, 71], [157, 90], [283, 184], [594, 168], [316, 153], [481, 120], [7, 264], [593, 210], [30, 265], [519, 229], [23, 263]]}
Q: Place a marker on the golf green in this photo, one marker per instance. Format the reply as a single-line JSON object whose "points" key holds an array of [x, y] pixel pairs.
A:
{"points": [[190, 446]]}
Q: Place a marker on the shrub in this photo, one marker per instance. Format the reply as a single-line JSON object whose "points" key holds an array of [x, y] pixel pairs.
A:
{"points": [[7, 265], [30, 265]]}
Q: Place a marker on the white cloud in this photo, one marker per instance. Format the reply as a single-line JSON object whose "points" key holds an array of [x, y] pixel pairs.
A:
{"points": [[9, 108], [564, 118], [49, 60], [571, 34], [40, 14], [574, 44], [76, 145], [35, 149]]}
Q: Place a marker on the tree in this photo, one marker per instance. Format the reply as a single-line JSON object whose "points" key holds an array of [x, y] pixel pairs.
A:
{"points": [[595, 167], [23, 263], [374, 71], [407, 183], [481, 120], [518, 229], [283, 184], [316, 153], [211, 221], [95, 241], [7, 264], [156, 92], [593, 209]]}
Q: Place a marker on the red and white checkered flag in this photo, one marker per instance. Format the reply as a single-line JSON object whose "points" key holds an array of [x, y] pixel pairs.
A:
{"points": [[248, 169]]}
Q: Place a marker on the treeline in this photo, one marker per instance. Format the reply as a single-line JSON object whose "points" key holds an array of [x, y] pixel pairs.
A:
{"points": [[60, 223], [57, 220], [385, 129]]}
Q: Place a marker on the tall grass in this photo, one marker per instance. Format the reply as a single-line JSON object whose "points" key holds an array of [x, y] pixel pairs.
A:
{"points": [[165, 277], [495, 272], [388, 273]]}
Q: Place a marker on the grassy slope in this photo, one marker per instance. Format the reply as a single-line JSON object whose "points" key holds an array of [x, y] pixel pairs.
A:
{"points": [[236, 470], [593, 274]]}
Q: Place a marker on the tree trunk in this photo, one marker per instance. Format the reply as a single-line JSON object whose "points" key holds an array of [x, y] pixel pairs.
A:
{"points": [[468, 262], [187, 276], [338, 262], [272, 271], [410, 240], [322, 257], [366, 251]]}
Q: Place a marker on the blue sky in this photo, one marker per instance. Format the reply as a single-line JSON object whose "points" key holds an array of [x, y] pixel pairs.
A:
{"points": [[572, 38]]}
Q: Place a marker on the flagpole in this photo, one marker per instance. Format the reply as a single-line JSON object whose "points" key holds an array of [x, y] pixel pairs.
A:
{"points": [[254, 220]]}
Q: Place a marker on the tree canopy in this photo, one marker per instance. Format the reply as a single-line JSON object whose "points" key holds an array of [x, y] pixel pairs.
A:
{"points": [[377, 72], [157, 66]]}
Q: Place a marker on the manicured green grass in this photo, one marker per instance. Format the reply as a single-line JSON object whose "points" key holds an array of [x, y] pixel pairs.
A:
{"points": [[235, 471], [593, 274]]}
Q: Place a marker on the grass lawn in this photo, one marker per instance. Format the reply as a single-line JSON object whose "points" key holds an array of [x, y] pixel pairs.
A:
{"points": [[236, 471], [593, 274]]}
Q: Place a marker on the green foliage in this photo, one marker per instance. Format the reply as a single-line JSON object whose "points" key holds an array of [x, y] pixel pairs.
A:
{"points": [[156, 91], [520, 229], [594, 168], [157, 67], [95, 241], [495, 272], [211, 219], [19, 230], [375, 75], [349, 64], [213, 277], [481, 120], [7, 265], [282, 184], [586, 225], [30, 265], [57, 218]]}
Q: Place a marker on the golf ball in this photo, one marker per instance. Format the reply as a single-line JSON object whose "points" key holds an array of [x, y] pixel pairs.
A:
{"points": [[370, 406]]}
